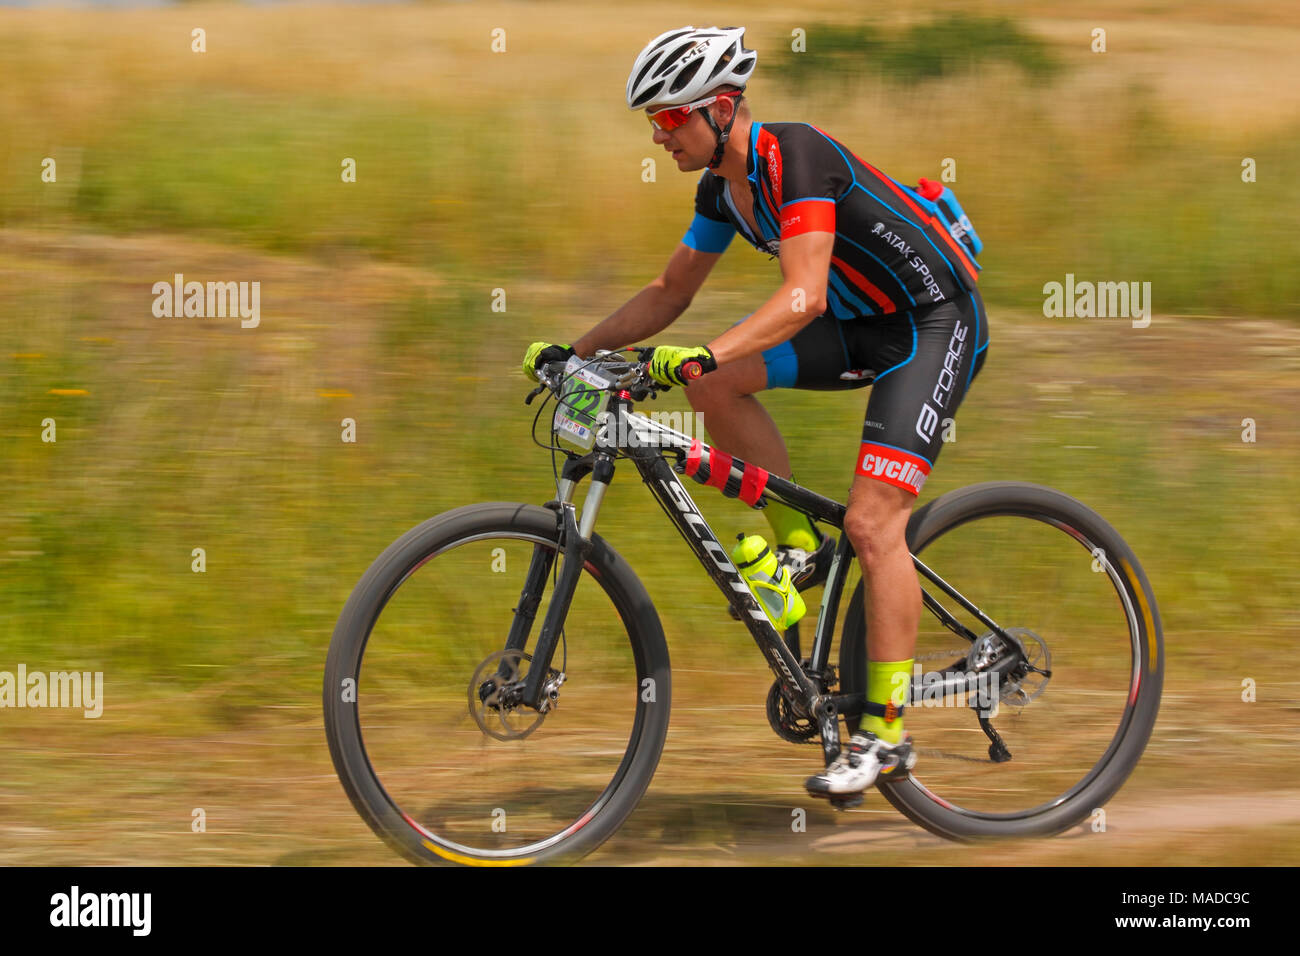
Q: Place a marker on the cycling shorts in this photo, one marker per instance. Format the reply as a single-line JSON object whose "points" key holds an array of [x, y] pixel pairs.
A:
{"points": [[919, 364]]}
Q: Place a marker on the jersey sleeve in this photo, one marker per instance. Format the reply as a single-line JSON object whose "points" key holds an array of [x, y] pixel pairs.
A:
{"points": [[710, 230], [813, 174]]}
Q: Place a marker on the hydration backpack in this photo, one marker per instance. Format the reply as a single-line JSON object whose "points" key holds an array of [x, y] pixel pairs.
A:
{"points": [[939, 200]]}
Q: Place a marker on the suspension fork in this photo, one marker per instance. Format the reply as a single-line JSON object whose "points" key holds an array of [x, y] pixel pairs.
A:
{"points": [[575, 536], [539, 566]]}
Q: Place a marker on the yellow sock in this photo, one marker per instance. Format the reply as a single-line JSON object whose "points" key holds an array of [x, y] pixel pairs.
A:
{"points": [[791, 528], [887, 681]]}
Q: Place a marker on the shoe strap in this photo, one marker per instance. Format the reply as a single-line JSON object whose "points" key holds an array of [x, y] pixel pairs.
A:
{"points": [[889, 712]]}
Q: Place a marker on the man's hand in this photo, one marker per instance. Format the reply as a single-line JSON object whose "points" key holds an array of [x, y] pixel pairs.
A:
{"points": [[540, 353], [674, 366]]}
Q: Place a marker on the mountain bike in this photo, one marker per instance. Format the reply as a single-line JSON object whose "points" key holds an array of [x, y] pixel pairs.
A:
{"points": [[460, 736]]}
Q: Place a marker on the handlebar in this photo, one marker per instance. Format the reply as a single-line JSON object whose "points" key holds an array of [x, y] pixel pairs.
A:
{"points": [[630, 376]]}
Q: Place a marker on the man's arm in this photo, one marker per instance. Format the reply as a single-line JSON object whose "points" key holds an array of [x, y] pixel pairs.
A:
{"points": [[805, 264], [656, 306]]}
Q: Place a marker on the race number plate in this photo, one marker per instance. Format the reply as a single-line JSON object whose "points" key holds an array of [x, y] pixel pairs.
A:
{"points": [[582, 398]]}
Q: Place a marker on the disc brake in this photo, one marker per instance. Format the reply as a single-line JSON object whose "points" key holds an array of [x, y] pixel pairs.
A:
{"points": [[496, 696]]}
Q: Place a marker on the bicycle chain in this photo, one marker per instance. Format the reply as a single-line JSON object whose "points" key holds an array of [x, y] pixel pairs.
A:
{"points": [[942, 655]]}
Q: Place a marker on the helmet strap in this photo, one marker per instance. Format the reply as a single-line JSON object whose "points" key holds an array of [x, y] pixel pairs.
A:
{"points": [[722, 135]]}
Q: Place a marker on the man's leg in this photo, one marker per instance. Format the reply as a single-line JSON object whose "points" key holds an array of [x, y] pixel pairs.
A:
{"points": [[876, 523], [737, 422], [739, 425], [928, 359]]}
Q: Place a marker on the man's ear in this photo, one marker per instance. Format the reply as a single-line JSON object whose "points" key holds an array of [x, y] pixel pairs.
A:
{"points": [[726, 106]]}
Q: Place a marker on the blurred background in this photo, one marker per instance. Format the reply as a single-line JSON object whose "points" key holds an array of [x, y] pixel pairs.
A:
{"points": [[523, 171]]}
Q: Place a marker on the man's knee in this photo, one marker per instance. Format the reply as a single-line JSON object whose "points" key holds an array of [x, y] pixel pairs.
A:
{"points": [[708, 391], [876, 521]]}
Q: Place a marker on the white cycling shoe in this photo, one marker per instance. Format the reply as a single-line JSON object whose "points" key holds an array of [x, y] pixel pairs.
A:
{"points": [[861, 763]]}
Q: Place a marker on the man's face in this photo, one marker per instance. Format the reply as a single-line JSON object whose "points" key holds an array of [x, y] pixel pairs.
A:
{"points": [[692, 144]]}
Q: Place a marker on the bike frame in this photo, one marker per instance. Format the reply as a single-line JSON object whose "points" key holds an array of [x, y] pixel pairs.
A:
{"points": [[644, 441]]}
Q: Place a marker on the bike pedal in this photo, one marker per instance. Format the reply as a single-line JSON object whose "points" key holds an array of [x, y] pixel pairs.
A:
{"points": [[846, 801]]}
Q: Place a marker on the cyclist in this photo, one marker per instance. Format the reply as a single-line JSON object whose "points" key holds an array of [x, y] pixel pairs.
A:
{"points": [[875, 291]]}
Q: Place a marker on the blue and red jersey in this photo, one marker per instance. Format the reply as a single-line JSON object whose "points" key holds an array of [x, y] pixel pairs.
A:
{"points": [[892, 253]]}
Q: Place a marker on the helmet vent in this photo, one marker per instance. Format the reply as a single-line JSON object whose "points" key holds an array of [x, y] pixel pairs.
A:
{"points": [[648, 95], [641, 76], [670, 60], [670, 38], [684, 77], [723, 62]]}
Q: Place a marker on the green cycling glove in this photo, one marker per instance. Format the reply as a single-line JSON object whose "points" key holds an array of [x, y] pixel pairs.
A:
{"points": [[677, 366], [541, 353]]}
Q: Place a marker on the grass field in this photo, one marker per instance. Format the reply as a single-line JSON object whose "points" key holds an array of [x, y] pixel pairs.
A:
{"points": [[522, 171]]}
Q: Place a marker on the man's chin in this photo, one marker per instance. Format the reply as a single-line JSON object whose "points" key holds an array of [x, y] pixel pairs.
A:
{"points": [[686, 164]]}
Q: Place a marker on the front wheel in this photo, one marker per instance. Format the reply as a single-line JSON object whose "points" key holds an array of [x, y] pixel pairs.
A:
{"points": [[1060, 580], [426, 725]]}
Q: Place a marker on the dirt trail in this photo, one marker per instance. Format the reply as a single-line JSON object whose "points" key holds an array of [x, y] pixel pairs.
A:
{"points": [[1129, 823]]}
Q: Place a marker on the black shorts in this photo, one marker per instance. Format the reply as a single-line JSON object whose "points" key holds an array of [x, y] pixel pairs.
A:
{"points": [[920, 365]]}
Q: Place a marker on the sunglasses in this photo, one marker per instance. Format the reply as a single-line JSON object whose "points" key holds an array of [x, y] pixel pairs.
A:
{"points": [[676, 116]]}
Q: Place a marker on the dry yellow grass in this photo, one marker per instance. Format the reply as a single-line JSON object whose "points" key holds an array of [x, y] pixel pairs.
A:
{"points": [[1233, 67]]}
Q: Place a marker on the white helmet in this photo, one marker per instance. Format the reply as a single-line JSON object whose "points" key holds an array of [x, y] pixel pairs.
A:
{"points": [[681, 66]]}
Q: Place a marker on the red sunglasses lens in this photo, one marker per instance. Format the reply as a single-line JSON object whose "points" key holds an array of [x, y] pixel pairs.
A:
{"points": [[670, 119]]}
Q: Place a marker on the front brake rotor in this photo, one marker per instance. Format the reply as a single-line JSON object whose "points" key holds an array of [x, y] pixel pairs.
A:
{"points": [[495, 697]]}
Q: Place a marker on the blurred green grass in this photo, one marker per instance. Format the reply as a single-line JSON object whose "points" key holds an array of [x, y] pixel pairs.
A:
{"points": [[197, 434], [234, 449]]}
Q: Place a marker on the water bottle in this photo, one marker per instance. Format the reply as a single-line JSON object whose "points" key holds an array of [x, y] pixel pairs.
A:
{"points": [[768, 580]]}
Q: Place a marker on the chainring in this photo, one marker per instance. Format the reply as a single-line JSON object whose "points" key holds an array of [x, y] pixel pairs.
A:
{"points": [[790, 720]]}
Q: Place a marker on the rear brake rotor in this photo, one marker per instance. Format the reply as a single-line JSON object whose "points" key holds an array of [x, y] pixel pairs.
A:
{"points": [[1019, 692]]}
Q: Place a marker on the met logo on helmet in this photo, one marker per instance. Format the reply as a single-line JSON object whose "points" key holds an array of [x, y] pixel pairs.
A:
{"points": [[696, 51]]}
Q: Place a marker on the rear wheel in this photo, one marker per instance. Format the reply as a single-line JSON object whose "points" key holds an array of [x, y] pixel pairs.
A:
{"points": [[423, 709], [1060, 580]]}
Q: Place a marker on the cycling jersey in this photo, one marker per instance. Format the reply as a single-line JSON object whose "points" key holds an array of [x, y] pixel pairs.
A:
{"points": [[891, 253]]}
